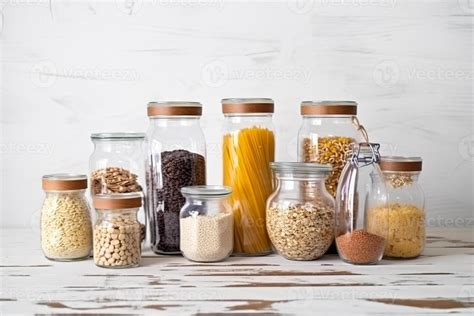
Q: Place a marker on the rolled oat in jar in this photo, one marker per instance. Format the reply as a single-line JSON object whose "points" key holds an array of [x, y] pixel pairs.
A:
{"points": [[66, 229]]}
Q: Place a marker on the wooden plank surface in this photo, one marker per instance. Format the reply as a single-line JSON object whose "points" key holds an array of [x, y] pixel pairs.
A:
{"points": [[439, 282]]}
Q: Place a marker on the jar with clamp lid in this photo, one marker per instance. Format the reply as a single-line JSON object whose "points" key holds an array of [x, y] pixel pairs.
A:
{"points": [[361, 192], [406, 212]]}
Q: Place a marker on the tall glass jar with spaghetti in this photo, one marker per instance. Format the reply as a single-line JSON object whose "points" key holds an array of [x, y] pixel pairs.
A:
{"points": [[406, 208], [175, 159], [248, 149], [328, 130]]}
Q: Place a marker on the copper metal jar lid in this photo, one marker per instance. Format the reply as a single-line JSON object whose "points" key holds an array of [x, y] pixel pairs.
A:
{"points": [[401, 164], [64, 182], [247, 105], [328, 108], [174, 108], [117, 201]]}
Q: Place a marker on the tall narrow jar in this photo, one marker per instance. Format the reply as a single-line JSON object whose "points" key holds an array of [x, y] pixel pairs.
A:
{"points": [[175, 159], [248, 149]]}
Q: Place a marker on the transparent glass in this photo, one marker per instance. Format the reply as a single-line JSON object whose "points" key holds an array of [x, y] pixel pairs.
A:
{"points": [[327, 140], [117, 240], [300, 216], [117, 166], [206, 228], [361, 192], [66, 228], [406, 215], [248, 149], [175, 159]]}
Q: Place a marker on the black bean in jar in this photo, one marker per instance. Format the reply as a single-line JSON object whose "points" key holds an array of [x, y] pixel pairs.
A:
{"points": [[179, 168]]}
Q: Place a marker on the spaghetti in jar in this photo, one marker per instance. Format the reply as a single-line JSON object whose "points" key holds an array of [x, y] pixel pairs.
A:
{"points": [[248, 149]]}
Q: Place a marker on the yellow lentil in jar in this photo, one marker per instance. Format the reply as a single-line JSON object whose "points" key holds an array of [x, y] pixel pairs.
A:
{"points": [[332, 150], [406, 229]]}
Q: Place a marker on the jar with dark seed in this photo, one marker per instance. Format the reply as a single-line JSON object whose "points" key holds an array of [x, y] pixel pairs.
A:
{"points": [[176, 151]]}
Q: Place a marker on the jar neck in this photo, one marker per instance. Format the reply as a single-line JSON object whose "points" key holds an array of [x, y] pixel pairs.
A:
{"points": [[117, 146], [293, 182], [331, 119], [129, 213], [175, 121], [66, 192]]}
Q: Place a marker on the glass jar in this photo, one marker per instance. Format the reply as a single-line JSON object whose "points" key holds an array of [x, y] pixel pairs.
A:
{"points": [[300, 212], [66, 229], [406, 208], [361, 192], [206, 223], [328, 130], [116, 166], [117, 230], [248, 148], [175, 159]]}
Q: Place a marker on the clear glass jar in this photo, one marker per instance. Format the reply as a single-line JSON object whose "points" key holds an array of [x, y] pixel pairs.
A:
{"points": [[328, 130], [300, 212], [116, 166], [66, 228], [361, 192], [175, 159], [406, 208], [206, 223], [117, 232], [248, 148]]}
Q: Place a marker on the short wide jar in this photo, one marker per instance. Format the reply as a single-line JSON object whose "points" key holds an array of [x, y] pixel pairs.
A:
{"points": [[117, 230], [406, 209], [66, 228], [206, 223], [300, 213]]}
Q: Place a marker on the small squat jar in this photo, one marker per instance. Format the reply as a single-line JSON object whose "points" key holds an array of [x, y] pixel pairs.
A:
{"points": [[117, 230], [66, 229], [406, 211], [300, 213], [206, 223]]}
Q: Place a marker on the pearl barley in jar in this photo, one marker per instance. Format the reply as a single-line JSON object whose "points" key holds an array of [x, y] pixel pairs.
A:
{"points": [[66, 229], [117, 230]]}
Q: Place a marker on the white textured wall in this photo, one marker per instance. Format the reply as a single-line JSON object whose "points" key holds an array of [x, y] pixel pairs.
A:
{"points": [[72, 68]]}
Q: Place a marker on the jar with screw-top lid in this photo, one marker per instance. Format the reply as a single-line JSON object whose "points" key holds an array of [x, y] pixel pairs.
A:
{"points": [[328, 130], [66, 228], [300, 212], [248, 149], [206, 221], [406, 207], [175, 159], [117, 232], [361, 192]]}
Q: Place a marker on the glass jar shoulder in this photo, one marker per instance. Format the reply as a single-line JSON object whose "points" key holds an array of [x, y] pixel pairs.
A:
{"points": [[237, 123], [328, 126]]}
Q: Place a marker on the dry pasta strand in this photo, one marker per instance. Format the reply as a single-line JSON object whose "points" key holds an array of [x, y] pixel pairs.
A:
{"points": [[247, 154]]}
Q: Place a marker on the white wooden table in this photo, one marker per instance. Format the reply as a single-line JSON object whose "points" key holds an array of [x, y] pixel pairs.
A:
{"points": [[439, 282]]}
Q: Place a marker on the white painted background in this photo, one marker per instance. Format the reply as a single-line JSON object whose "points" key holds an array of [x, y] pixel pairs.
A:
{"points": [[70, 68]]}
